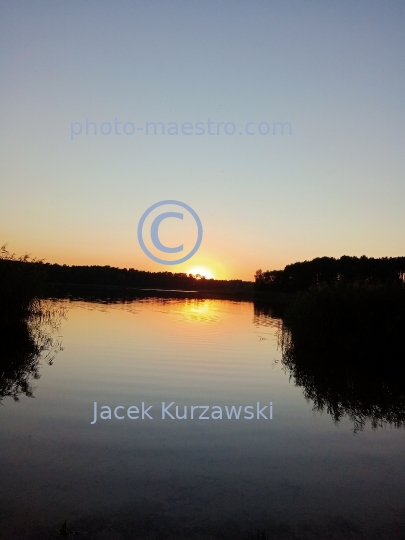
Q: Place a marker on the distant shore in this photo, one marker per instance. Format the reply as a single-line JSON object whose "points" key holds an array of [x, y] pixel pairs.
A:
{"points": [[85, 290]]}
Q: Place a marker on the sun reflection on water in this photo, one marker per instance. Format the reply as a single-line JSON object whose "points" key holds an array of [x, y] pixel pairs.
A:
{"points": [[204, 310]]}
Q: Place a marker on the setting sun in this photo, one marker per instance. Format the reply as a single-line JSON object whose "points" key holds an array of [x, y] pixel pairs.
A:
{"points": [[201, 271]]}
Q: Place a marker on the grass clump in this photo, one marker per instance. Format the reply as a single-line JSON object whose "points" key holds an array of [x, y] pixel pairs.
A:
{"points": [[27, 324]]}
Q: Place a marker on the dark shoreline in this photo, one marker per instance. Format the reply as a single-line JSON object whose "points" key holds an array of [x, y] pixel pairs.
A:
{"points": [[91, 292]]}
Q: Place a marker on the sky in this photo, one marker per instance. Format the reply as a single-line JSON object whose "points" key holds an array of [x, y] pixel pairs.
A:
{"points": [[332, 184]]}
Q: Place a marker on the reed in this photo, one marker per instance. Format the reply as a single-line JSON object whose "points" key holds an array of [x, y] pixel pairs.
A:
{"points": [[22, 282], [27, 324]]}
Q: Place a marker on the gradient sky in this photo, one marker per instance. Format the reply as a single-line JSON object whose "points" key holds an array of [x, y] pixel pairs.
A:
{"points": [[334, 70]]}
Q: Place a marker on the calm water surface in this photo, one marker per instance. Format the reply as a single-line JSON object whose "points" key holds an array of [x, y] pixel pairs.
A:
{"points": [[299, 475]]}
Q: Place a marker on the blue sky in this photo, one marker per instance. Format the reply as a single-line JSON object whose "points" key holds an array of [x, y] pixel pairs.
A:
{"points": [[335, 186]]}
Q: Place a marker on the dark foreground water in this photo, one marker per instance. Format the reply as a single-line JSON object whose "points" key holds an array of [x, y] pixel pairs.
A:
{"points": [[298, 475]]}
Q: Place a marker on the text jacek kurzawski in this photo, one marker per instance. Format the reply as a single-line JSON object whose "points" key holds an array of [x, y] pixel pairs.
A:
{"points": [[171, 411]]}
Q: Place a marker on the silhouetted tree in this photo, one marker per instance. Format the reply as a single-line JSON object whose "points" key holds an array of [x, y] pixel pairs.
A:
{"points": [[301, 276]]}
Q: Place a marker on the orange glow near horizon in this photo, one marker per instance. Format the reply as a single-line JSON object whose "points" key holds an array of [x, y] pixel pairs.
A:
{"points": [[201, 271], [210, 263]]}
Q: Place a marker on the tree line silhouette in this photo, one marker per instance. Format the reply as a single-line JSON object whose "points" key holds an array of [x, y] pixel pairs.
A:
{"points": [[108, 276], [342, 340], [342, 334], [301, 276]]}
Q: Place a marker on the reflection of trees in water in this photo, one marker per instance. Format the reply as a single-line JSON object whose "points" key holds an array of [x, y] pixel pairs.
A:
{"points": [[346, 347], [363, 392], [267, 315], [25, 344]]}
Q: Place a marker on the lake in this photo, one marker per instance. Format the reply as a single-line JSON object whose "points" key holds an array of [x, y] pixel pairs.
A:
{"points": [[298, 474]]}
